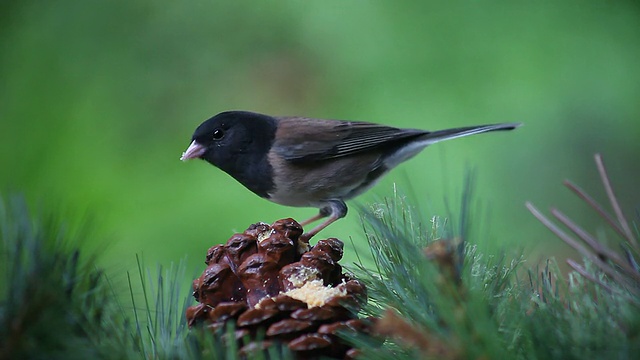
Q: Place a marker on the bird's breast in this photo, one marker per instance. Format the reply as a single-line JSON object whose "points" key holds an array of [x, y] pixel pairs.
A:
{"points": [[312, 184]]}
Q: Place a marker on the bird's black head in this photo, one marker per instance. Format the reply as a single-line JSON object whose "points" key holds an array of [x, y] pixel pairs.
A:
{"points": [[237, 142]]}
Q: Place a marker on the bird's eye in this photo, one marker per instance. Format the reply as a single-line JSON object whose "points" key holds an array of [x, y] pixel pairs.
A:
{"points": [[218, 134]]}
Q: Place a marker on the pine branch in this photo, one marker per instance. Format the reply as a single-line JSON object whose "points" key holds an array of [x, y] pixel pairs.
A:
{"points": [[54, 302], [438, 291], [483, 308]]}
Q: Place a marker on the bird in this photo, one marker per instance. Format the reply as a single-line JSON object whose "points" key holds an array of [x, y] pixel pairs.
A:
{"points": [[306, 162]]}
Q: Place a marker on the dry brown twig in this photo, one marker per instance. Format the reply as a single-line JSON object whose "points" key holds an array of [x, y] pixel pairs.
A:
{"points": [[621, 268]]}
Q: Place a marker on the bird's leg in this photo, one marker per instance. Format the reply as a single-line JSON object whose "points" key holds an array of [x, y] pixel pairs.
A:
{"points": [[323, 213], [336, 209]]}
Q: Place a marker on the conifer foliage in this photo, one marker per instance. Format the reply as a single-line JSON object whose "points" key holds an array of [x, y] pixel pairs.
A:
{"points": [[423, 290]]}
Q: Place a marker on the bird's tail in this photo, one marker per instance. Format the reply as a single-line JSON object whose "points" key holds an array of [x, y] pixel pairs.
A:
{"points": [[436, 136], [414, 147]]}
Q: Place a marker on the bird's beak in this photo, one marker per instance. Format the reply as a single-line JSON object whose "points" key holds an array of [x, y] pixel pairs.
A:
{"points": [[194, 150]]}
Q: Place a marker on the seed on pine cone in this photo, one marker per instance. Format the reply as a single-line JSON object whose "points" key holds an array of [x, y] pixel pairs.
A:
{"points": [[268, 279]]}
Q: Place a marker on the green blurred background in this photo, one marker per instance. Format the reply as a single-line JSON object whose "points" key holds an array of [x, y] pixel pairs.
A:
{"points": [[99, 98]]}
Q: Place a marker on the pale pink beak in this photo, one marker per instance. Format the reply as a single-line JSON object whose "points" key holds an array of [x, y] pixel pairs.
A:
{"points": [[194, 150]]}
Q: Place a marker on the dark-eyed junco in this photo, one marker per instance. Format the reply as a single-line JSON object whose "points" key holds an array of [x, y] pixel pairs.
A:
{"points": [[297, 161]]}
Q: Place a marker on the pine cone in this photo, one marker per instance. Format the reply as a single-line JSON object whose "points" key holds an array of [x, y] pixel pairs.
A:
{"points": [[267, 278]]}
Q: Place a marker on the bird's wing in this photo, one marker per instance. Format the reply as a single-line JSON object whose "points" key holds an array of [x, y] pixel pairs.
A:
{"points": [[307, 140]]}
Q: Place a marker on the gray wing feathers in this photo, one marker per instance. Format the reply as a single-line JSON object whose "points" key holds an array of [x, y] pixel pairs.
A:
{"points": [[343, 139], [316, 140]]}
